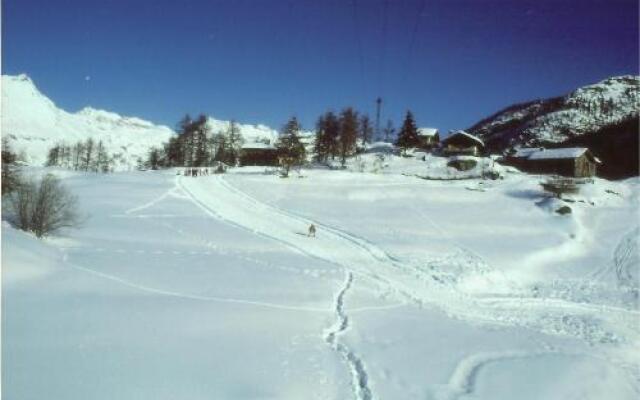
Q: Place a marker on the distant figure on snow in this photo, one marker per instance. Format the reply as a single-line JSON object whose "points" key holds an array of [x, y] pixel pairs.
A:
{"points": [[312, 231]]}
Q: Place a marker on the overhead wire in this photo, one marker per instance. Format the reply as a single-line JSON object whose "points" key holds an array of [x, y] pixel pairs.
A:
{"points": [[383, 46], [412, 41], [354, 15]]}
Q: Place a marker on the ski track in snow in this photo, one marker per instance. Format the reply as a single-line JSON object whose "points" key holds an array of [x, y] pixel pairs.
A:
{"points": [[362, 257], [359, 377], [624, 261], [355, 364], [183, 295], [153, 202], [464, 376], [380, 255], [591, 323], [462, 381]]}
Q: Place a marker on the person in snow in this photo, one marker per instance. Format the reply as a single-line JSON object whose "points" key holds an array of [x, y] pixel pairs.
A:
{"points": [[312, 231]]}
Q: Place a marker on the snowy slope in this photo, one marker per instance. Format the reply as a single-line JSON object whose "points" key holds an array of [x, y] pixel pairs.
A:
{"points": [[559, 119], [208, 287], [34, 124]]}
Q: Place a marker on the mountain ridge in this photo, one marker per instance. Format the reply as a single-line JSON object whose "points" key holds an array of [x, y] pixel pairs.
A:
{"points": [[34, 124], [602, 116]]}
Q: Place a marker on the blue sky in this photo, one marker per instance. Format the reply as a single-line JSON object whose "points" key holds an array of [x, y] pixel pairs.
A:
{"points": [[261, 61]]}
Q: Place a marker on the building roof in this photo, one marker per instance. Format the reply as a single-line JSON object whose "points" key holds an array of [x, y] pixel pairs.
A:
{"points": [[525, 152], [463, 134], [553, 154], [562, 153], [258, 145], [427, 131]]}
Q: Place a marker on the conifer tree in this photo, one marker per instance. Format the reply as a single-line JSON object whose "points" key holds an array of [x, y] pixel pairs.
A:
{"points": [[320, 150], [174, 153], [10, 177], [327, 136], [366, 130], [102, 162], [154, 159], [77, 154], [234, 142], [53, 156], [87, 157], [219, 146], [408, 135], [200, 132], [291, 151], [348, 134]]}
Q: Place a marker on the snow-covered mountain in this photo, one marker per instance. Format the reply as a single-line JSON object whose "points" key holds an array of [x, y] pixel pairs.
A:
{"points": [[602, 116], [33, 124], [251, 133], [558, 119]]}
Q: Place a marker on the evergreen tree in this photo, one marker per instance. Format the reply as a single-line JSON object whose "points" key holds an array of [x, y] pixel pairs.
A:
{"points": [[291, 151], [333, 134], [234, 142], [219, 147], [87, 157], [102, 161], [200, 132], [53, 156], [65, 155], [77, 154], [408, 135], [348, 134], [366, 130], [10, 177], [320, 151], [154, 159], [327, 135], [173, 152]]}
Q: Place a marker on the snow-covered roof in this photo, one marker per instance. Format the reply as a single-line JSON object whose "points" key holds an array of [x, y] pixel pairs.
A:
{"points": [[427, 131], [379, 147], [257, 145], [567, 152], [465, 134], [525, 152]]}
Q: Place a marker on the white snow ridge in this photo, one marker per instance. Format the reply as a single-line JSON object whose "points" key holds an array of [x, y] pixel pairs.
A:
{"points": [[34, 124]]}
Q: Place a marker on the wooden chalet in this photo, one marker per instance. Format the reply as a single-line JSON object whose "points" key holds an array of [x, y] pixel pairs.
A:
{"points": [[261, 154], [429, 138], [568, 161], [462, 143]]}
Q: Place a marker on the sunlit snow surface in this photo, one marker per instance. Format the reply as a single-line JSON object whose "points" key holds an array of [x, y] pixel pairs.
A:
{"points": [[178, 287]]}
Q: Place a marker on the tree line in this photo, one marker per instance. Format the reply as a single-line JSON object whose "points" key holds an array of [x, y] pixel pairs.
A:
{"points": [[196, 146], [343, 135], [337, 136], [86, 155]]}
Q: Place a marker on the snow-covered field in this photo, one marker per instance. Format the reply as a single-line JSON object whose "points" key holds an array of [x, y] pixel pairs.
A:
{"points": [[179, 287]]}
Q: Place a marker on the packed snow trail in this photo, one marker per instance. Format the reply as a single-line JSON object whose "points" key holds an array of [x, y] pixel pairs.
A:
{"points": [[215, 198], [356, 366], [592, 323]]}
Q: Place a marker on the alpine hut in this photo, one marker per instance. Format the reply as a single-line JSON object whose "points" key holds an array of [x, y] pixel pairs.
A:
{"points": [[263, 154], [576, 162], [462, 143], [428, 137]]}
